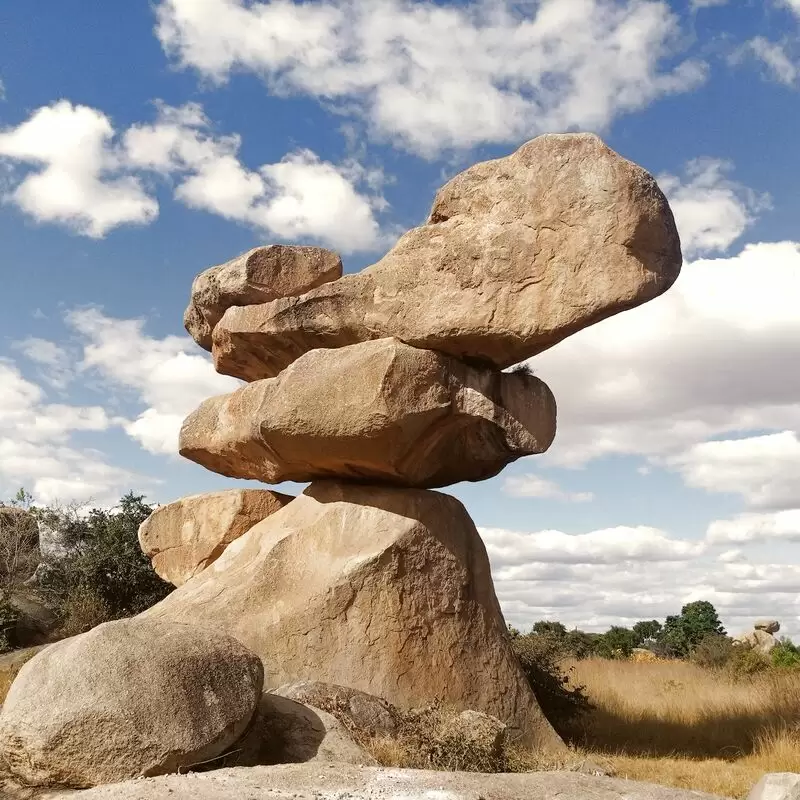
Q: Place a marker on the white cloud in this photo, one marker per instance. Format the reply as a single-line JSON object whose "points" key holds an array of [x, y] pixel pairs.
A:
{"points": [[711, 211], [775, 57], [534, 486], [37, 451], [794, 5], [58, 367], [621, 575], [515, 551], [434, 77], [166, 375], [92, 183], [78, 182], [764, 470], [748, 528], [708, 359], [707, 3]]}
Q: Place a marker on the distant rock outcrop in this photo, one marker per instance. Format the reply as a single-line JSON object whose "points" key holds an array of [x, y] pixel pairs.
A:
{"points": [[761, 637]]}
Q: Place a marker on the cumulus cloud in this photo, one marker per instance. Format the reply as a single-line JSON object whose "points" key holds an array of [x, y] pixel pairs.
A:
{"points": [[37, 451], [707, 360], [166, 375], [776, 59], [432, 77], [622, 575], [711, 210], [90, 179], [76, 171], [54, 360], [534, 486], [750, 527], [764, 470]]}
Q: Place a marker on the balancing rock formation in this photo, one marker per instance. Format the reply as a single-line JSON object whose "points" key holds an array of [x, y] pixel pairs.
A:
{"points": [[381, 385]]}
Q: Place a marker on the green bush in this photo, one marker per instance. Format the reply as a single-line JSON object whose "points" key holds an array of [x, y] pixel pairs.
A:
{"points": [[713, 652], [107, 572], [9, 616], [616, 642], [541, 657], [746, 662], [786, 655]]}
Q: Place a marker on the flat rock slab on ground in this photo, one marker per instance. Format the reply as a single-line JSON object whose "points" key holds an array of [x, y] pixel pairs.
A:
{"points": [[345, 782]]}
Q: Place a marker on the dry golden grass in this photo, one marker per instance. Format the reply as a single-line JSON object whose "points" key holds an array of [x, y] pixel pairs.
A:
{"points": [[676, 724]]}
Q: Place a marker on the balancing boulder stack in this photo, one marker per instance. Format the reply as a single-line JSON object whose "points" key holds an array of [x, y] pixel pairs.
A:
{"points": [[382, 385]]}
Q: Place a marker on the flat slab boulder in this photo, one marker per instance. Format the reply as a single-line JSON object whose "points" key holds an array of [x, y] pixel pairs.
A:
{"points": [[384, 590], [258, 276], [183, 538], [314, 781], [130, 698], [517, 254], [379, 411]]}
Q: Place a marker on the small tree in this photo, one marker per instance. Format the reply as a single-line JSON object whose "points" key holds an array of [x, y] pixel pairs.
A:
{"points": [[682, 633], [647, 632], [547, 628], [616, 642], [106, 569]]}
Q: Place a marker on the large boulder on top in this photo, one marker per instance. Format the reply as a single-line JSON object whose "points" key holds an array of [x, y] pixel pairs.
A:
{"points": [[184, 537], [378, 411], [385, 590], [768, 625], [130, 698], [517, 254], [257, 276]]}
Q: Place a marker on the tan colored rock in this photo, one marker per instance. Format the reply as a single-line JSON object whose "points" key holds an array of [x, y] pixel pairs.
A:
{"points": [[380, 411], [184, 537], [257, 276], [313, 782], [768, 625], [759, 640], [129, 698], [517, 254], [385, 590], [365, 712], [288, 732]]}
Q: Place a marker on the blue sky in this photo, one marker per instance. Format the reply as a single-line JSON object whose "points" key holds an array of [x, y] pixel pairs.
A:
{"points": [[143, 142]]}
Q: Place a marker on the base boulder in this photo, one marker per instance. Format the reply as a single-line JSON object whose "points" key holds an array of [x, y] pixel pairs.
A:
{"points": [[384, 590]]}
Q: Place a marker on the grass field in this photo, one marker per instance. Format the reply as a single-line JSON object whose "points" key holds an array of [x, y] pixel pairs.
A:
{"points": [[676, 724]]}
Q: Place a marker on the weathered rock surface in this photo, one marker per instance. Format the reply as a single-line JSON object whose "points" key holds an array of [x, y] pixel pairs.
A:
{"points": [[759, 640], [287, 732], [379, 411], [184, 537], [315, 781], [373, 715], [777, 786], [257, 276], [768, 625], [129, 698], [517, 254], [385, 590]]}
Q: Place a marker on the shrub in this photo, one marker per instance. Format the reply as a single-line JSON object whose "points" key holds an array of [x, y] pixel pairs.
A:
{"points": [[83, 609], [106, 568], [9, 616], [786, 655], [541, 658], [713, 652], [746, 662], [617, 642]]}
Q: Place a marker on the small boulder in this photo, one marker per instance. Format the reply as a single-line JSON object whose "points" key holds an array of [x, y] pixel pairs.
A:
{"points": [[130, 698], [776, 786], [758, 640], [287, 732], [365, 712], [258, 276], [768, 625], [184, 537]]}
